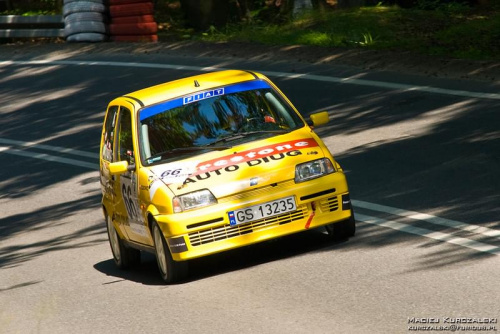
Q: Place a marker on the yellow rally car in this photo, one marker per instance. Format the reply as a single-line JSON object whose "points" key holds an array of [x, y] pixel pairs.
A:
{"points": [[210, 163]]}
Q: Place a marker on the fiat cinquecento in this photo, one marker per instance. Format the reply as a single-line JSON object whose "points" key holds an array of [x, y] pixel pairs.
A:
{"points": [[213, 162]]}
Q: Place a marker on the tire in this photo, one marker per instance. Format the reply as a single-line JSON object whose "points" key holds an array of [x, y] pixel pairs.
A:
{"points": [[84, 16], [91, 37], [136, 38], [134, 9], [123, 256], [84, 27], [124, 2], [83, 6], [170, 270], [149, 28], [133, 19], [95, 1], [342, 230]]}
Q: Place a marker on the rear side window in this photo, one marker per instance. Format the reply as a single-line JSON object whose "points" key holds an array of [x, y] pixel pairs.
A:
{"points": [[125, 149], [109, 134]]}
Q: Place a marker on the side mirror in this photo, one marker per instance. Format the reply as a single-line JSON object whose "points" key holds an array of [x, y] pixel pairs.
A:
{"points": [[319, 118], [120, 167]]}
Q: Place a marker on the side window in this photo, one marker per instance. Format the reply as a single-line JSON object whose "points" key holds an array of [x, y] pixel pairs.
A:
{"points": [[109, 133], [125, 150]]}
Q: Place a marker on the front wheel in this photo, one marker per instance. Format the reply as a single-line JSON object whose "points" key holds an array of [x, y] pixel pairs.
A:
{"points": [[171, 271], [342, 230], [124, 256]]}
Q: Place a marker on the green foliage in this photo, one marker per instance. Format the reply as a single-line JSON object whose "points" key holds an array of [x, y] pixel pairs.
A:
{"points": [[367, 39], [29, 13], [360, 28], [452, 29], [34, 7], [478, 37], [444, 6]]}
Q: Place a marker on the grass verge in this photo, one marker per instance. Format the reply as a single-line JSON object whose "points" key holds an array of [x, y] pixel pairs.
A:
{"points": [[459, 32]]}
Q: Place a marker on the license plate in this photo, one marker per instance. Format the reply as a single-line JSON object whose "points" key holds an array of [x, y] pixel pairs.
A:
{"points": [[256, 212]]}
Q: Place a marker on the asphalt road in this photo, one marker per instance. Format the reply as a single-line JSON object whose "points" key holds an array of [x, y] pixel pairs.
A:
{"points": [[422, 159]]}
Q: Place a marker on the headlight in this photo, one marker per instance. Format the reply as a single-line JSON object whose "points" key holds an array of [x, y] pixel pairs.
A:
{"points": [[193, 200], [313, 169]]}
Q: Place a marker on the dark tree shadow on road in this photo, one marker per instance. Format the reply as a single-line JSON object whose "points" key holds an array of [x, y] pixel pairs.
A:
{"points": [[446, 164], [21, 285], [47, 218]]}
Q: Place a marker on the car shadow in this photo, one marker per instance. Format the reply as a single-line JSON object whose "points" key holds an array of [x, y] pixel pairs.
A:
{"points": [[145, 273], [222, 263]]}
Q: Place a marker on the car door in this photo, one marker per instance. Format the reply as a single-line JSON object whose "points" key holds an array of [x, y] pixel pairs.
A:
{"points": [[108, 155], [127, 205]]}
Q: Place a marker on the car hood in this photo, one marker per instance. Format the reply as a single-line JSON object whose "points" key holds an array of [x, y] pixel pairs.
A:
{"points": [[242, 167]]}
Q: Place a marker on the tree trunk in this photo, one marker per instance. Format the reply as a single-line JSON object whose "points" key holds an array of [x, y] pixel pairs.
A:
{"points": [[243, 10], [201, 14]]}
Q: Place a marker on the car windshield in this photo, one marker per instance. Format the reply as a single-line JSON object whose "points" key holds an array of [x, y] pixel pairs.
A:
{"points": [[213, 120]]}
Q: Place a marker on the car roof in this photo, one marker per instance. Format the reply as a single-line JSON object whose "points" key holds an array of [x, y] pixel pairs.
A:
{"points": [[199, 83]]}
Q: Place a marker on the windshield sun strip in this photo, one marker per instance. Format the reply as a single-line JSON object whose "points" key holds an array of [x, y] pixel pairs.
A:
{"points": [[198, 96]]}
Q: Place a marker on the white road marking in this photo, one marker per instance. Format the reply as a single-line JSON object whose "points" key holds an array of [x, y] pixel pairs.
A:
{"points": [[428, 218], [464, 242], [27, 144], [322, 78], [48, 157]]}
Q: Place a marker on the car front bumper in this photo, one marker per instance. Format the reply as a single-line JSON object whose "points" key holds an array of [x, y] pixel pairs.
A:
{"points": [[207, 231]]}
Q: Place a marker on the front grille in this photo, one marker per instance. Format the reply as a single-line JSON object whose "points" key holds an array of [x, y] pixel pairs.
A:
{"points": [[206, 222], [227, 231], [321, 193], [329, 204]]}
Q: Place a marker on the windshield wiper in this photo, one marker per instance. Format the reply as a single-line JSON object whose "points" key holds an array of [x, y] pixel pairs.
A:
{"points": [[184, 150], [239, 135]]}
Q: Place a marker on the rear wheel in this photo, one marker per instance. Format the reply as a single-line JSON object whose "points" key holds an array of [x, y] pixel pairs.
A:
{"points": [[171, 271], [342, 230], [124, 256]]}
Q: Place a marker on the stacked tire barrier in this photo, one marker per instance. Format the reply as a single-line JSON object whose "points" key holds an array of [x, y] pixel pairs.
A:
{"points": [[85, 20], [132, 21]]}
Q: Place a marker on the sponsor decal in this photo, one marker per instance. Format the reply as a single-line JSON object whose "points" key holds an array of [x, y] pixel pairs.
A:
{"points": [[153, 187], [134, 218], [177, 245], [192, 172], [253, 157], [175, 172], [179, 102], [346, 202], [203, 96]]}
